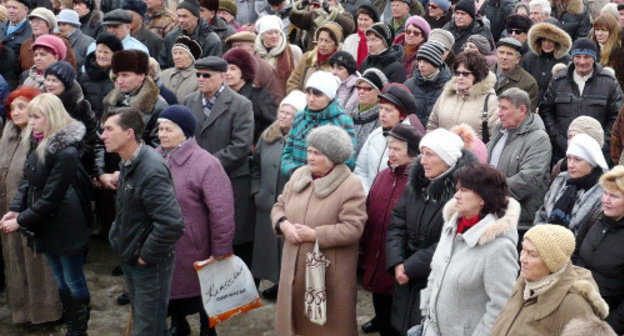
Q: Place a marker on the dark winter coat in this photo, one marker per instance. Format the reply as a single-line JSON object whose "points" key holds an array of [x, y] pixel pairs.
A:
{"points": [[601, 253], [203, 34], [151, 40], [96, 84], [477, 27], [9, 67], [521, 79], [426, 92], [53, 195], [91, 24], [539, 64], [382, 198], [389, 62], [574, 18], [15, 40], [601, 100], [497, 12], [148, 222], [413, 234], [264, 107], [222, 29], [438, 23]]}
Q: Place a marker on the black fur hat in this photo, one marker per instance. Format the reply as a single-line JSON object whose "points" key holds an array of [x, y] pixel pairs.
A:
{"points": [[130, 60]]}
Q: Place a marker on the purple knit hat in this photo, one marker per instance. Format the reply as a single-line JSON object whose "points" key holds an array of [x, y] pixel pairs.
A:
{"points": [[420, 23]]}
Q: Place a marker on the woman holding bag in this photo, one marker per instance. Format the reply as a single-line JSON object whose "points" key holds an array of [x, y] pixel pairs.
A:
{"points": [[322, 203]]}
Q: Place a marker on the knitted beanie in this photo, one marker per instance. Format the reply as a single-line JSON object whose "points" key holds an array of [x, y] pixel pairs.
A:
{"points": [[589, 126], [188, 45], [245, 61], [588, 149], [383, 31], [555, 244], [432, 53], [444, 4], [181, 116], [325, 82], [137, 6], [420, 23], [296, 99], [268, 22], [191, 6], [446, 144], [467, 6], [228, 6], [444, 37], [584, 46], [45, 15], [344, 59], [374, 77], [63, 71], [53, 43], [333, 141], [482, 44], [109, 40]]}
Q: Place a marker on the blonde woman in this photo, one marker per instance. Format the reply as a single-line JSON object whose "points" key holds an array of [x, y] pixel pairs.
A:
{"points": [[52, 202], [606, 35]]}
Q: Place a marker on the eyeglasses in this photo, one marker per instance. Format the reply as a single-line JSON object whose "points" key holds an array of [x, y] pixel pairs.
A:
{"points": [[203, 75], [433, 6], [463, 73], [363, 88], [515, 31], [314, 92], [412, 32]]}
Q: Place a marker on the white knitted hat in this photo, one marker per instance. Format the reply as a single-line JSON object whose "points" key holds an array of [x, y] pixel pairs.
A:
{"points": [[446, 144], [296, 99], [587, 148], [325, 82], [268, 22]]}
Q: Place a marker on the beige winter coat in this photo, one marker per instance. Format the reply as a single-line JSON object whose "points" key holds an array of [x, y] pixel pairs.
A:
{"points": [[334, 206], [305, 68], [452, 109]]}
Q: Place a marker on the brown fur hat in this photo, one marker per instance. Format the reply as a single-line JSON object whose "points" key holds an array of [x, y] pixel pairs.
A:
{"points": [[130, 60], [240, 57]]}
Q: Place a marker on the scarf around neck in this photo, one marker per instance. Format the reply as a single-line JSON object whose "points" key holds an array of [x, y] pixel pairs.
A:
{"points": [[362, 50], [562, 211]]}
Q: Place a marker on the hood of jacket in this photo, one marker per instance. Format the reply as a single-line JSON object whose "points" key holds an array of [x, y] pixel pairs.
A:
{"points": [[562, 40], [441, 188], [273, 133], [70, 135], [387, 57], [505, 226], [443, 77], [574, 7], [144, 100], [483, 87]]}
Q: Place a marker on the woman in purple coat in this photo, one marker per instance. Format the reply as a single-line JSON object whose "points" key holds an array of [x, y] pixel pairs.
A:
{"points": [[205, 194]]}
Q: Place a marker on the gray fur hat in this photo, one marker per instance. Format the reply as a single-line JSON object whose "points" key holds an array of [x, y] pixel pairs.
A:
{"points": [[333, 141]]}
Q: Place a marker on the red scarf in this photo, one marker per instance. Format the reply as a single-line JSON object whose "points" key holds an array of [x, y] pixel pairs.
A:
{"points": [[321, 58], [362, 50], [466, 223]]}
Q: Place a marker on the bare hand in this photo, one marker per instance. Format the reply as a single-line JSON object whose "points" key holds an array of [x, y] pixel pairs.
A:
{"points": [[9, 215], [9, 225], [400, 275], [141, 261], [290, 232], [306, 233], [110, 181]]}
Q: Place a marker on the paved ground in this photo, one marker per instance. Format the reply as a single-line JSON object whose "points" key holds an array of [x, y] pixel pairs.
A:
{"points": [[109, 319]]}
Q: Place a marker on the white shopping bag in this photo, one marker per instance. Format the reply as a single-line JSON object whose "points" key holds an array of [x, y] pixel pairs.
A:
{"points": [[227, 288], [315, 299]]}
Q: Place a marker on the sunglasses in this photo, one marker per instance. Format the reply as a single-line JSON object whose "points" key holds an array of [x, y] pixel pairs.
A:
{"points": [[314, 92], [203, 75], [463, 73], [413, 32], [515, 31], [433, 6], [363, 88]]}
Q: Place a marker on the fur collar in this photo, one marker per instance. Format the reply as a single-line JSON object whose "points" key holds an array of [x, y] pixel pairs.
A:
{"points": [[550, 32], [273, 133], [323, 186], [508, 222], [592, 295], [483, 87], [144, 100], [65, 137]]}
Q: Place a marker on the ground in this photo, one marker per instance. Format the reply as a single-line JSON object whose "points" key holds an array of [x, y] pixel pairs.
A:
{"points": [[109, 319]]}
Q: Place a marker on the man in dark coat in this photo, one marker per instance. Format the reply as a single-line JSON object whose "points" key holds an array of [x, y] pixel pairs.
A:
{"points": [[465, 23], [497, 12], [510, 74], [225, 129], [583, 88], [90, 18], [192, 25], [148, 223], [151, 40]]}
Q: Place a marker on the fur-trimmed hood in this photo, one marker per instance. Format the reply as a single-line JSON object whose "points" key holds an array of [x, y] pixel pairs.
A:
{"points": [[273, 133], [574, 7], [144, 100], [508, 224], [323, 186], [441, 188], [550, 32], [481, 88], [71, 135]]}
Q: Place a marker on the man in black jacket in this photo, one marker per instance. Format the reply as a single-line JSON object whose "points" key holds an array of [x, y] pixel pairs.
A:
{"points": [[148, 221]]}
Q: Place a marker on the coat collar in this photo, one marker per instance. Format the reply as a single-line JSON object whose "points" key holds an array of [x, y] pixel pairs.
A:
{"points": [[221, 105], [483, 87], [144, 100], [273, 133], [323, 186], [70, 135], [182, 153]]}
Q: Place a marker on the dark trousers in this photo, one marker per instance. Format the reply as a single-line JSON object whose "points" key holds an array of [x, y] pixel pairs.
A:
{"points": [[180, 308], [68, 272], [149, 287], [382, 303]]}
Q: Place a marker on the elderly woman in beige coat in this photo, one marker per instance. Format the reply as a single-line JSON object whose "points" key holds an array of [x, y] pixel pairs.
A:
{"points": [[181, 78], [324, 202]]}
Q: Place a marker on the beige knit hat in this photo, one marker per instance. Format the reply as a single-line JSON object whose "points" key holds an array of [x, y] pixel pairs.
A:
{"points": [[555, 244], [589, 126]]}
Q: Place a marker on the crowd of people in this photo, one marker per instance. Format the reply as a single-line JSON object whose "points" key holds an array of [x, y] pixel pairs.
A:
{"points": [[461, 160]]}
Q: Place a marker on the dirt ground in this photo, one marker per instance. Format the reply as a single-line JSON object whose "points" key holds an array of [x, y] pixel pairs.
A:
{"points": [[107, 318]]}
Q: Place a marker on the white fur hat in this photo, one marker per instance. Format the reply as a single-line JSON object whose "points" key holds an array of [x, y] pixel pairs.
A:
{"points": [[587, 148]]}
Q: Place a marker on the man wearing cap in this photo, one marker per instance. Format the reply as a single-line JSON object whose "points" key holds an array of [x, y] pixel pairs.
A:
{"points": [[228, 11], [574, 17], [17, 29], [208, 12], [428, 79], [497, 12], [190, 24], [438, 13], [225, 128], [90, 18], [117, 22], [137, 9], [510, 74], [365, 114], [309, 15], [159, 19], [384, 55], [584, 87], [520, 149], [69, 27], [465, 23]]}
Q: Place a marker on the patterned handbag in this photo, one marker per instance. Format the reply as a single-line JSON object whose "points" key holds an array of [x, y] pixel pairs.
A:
{"points": [[315, 305]]}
